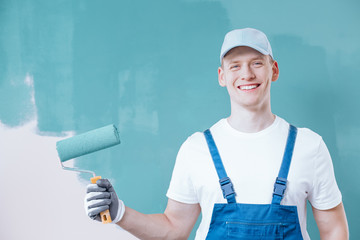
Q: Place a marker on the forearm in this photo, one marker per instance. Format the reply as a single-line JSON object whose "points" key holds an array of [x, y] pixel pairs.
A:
{"points": [[149, 226], [175, 223]]}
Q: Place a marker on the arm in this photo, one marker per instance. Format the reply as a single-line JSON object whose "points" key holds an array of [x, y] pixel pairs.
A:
{"points": [[175, 223], [332, 223]]}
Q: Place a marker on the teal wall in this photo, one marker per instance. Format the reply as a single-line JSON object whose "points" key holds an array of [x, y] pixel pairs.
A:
{"points": [[150, 67]]}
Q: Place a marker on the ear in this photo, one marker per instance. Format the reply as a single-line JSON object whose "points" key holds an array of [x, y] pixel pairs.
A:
{"points": [[221, 77], [275, 70]]}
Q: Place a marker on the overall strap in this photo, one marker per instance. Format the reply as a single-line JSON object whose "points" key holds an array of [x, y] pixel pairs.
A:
{"points": [[281, 180], [225, 182]]}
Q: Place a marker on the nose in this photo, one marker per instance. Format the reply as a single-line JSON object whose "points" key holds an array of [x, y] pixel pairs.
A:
{"points": [[246, 73]]}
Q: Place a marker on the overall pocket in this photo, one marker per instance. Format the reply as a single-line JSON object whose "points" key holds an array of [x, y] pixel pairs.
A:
{"points": [[254, 231]]}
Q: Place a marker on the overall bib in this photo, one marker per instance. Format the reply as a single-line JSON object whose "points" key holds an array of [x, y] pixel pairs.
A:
{"points": [[273, 221]]}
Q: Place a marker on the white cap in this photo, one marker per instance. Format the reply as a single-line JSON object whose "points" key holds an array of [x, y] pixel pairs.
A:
{"points": [[249, 37]]}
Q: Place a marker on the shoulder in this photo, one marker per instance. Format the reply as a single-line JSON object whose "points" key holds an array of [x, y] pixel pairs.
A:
{"points": [[197, 140], [310, 145], [194, 141], [306, 137]]}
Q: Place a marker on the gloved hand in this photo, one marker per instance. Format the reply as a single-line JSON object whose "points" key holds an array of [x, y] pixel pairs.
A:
{"points": [[102, 196]]}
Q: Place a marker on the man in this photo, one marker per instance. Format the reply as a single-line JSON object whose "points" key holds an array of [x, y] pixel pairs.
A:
{"points": [[246, 152]]}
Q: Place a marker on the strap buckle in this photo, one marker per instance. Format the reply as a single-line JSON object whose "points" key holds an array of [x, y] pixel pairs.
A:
{"points": [[227, 187], [280, 187]]}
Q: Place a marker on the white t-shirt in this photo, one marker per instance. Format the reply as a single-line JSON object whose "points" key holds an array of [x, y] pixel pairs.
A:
{"points": [[252, 161]]}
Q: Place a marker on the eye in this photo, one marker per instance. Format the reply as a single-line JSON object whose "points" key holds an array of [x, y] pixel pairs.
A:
{"points": [[234, 66], [258, 63]]}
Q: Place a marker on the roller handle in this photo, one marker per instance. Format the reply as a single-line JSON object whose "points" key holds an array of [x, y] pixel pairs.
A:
{"points": [[105, 215]]}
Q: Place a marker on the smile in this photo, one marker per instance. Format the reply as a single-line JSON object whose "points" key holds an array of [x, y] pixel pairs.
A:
{"points": [[248, 87]]}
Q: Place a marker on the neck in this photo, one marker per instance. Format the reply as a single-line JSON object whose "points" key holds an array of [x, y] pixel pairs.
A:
{"points": [[251, 120]]}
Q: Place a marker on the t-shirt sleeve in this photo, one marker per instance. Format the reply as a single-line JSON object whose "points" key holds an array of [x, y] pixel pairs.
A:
{"points": [[325, 193], [181, 188]]}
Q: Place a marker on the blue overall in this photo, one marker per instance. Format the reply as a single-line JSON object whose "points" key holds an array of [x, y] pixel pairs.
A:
{"points": [[233, 220]]}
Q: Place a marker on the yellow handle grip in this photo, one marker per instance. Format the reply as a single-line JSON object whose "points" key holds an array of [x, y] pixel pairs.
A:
{"points": [[105, 215]]}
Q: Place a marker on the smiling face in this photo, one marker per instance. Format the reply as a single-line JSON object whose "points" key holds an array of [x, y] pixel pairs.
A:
{"points": [[247, 74]]}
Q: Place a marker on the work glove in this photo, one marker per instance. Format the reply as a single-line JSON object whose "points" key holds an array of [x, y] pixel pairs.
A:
{"points": [[100, 197]]}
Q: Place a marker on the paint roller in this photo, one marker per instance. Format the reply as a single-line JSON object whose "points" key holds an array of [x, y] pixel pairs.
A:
{"points": [[86, 143]]}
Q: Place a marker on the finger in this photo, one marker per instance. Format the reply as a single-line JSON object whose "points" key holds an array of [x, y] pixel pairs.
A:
{"points": [[94, 212], [104, 183], [97, 195], [94, 188], [98, 203]]}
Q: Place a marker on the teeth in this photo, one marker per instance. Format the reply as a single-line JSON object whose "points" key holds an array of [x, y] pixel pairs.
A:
{"points": [[248, 87]]}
